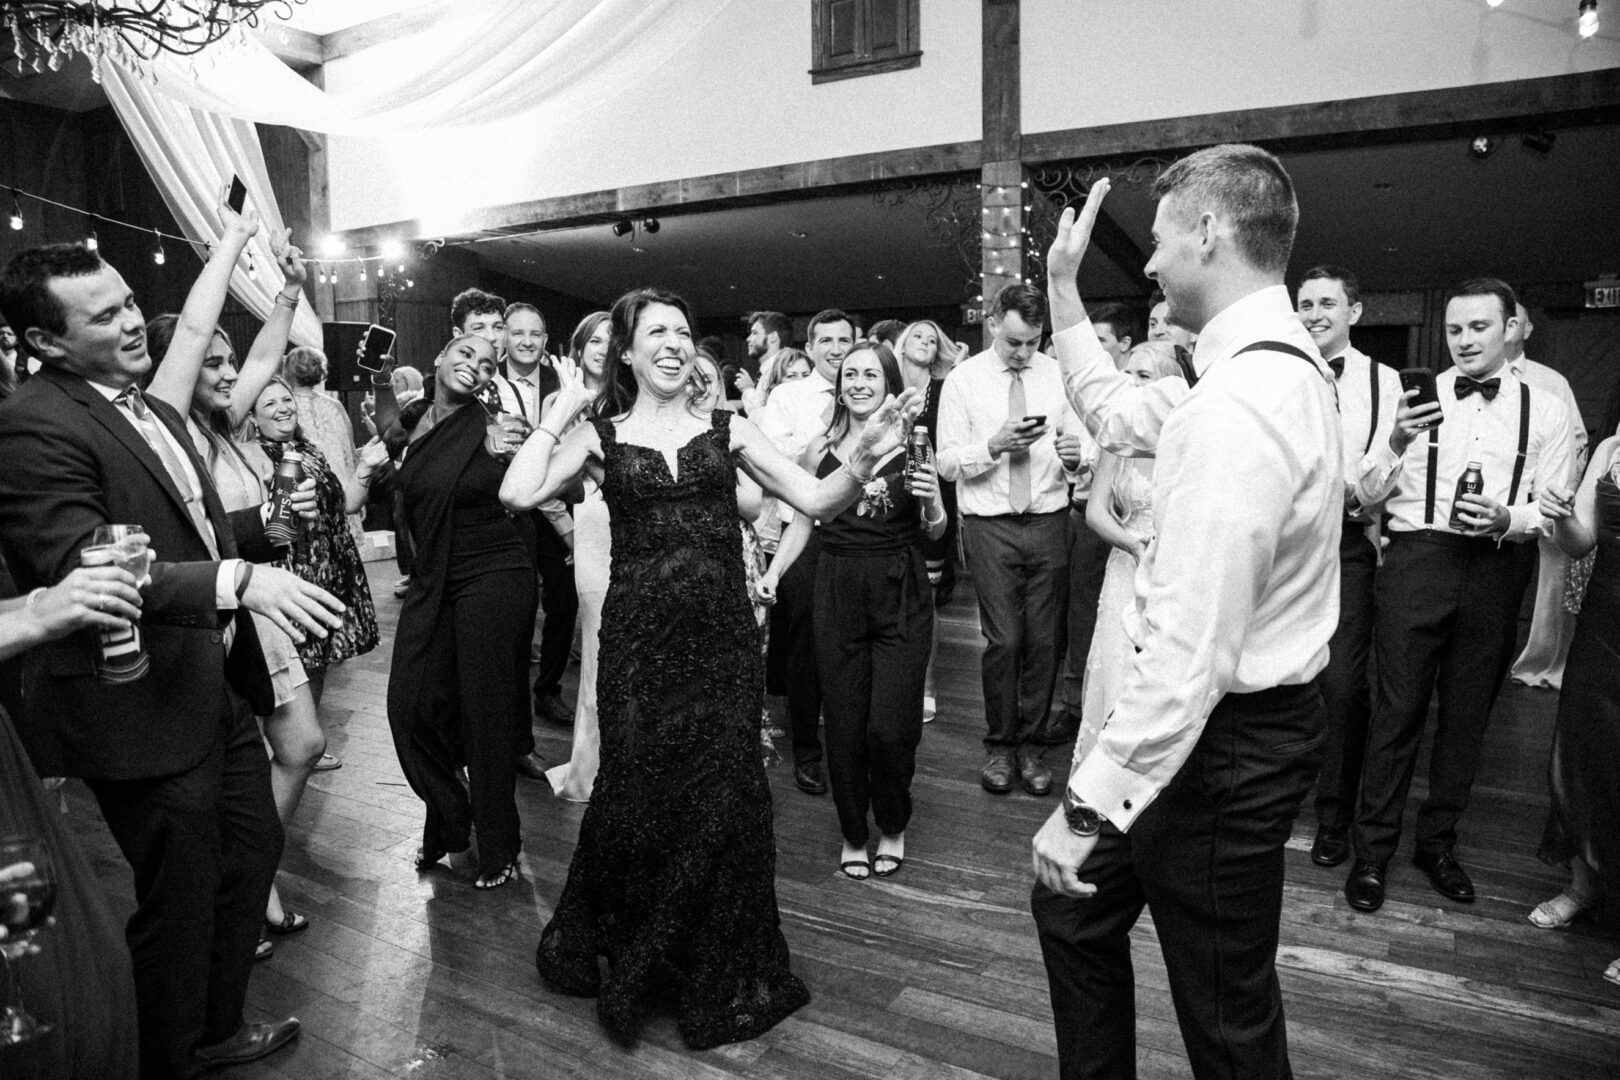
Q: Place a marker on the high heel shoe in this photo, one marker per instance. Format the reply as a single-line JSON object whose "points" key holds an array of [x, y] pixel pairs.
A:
{"points": [[498, 878], [1560, 911]]}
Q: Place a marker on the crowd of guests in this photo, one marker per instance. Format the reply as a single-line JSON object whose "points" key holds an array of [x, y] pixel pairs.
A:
{"points": [[615, 490]]}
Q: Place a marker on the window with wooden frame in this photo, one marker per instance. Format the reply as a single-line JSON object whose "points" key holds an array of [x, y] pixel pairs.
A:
{"points": [[862, 37]]}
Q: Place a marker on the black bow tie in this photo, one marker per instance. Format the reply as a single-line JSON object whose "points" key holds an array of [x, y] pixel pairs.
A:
{"points": [[1467, 386], [1337, 364]]}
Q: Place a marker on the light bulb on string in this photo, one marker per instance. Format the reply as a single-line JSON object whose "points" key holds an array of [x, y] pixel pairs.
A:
{"points": [[157, 255], [16, 212], [362, 271], [1588, 21], [92, 243]]}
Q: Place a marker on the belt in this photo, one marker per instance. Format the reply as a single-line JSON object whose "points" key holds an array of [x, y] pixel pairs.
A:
{"points": [[1438, 538]]}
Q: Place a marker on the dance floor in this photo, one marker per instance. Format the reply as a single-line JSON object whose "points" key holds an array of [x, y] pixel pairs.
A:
{"points": [[933, 973]]}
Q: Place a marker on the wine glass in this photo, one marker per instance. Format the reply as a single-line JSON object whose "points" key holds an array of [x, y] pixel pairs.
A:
{"points": [[27, 895], [131, 546]]}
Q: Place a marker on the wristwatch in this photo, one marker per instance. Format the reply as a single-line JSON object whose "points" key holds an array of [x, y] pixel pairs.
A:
{"points": [[1081, 819]]}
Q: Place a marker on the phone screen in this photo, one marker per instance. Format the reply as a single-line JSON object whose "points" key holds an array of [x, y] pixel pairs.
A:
{"points": [[1037, 421], [379, 343], [1421, 380], [238, 196]]}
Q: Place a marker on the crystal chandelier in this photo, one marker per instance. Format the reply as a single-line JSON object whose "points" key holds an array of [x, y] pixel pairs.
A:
{"points": [[44, 33]]}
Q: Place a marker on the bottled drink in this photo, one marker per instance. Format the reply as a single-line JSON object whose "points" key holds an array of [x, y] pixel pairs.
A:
{"points": [[920, 452], [282, 528], [1472, 482], [122, 657]]}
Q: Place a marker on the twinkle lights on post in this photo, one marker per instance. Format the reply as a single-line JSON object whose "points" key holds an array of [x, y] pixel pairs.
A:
{"points": [[1003, 190]]}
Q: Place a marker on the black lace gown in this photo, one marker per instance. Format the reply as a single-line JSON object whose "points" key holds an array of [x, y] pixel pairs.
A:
{"points": [[673, 881]]}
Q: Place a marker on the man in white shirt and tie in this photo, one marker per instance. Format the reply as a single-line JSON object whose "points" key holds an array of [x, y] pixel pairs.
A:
{"points": [[1187, 799], [1551, 628], [1449, 592], [1006, 438], [798, 411], [1329, 304]]}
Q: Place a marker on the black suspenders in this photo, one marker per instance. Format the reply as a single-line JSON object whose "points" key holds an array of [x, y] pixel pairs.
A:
{"points": [[1518, 461], [1278, 346], [1372, 428]]}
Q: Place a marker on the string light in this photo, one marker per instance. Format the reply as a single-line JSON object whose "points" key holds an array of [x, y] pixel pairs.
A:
{"points": [[158, 256], [1493, 3], [93, 243], [1588, 21], [16, 211]]}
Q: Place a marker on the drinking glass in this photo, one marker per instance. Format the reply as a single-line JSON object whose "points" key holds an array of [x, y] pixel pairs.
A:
{"points": [[27, 895], [131, 546]]}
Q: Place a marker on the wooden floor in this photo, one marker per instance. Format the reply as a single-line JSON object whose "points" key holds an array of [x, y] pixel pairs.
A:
{"points": [[935, 973]]}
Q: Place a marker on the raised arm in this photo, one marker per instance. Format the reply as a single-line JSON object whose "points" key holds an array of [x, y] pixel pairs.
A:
{"points": [[549, 463], [176, 377], [1123, 415], [264, 358]]}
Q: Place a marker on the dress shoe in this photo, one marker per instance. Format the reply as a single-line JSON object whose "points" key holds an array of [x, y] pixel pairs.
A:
{"points": [[996, 776], [1365, 887], [1033, 775], [531, 766], [1331, 846], [250, 1043], [811, 777], [550, 708], [1449, 879]]}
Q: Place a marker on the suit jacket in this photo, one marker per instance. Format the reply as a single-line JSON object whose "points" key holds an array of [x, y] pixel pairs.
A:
{"points": [[69, 461]]}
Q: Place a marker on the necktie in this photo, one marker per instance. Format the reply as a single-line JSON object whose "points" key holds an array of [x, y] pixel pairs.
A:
{"points": [[152, 432], [1487, 387], [1018, 460], [1337, 364]]}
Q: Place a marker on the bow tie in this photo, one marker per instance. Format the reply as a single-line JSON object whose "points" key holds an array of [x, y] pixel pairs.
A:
{"points": [[1337, 364], [1466, 386]]}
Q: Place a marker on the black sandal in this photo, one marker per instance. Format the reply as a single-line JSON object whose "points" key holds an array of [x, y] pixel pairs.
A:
{"points": [[895, 861], [290, 923], [848, 867], [497, 879], [265, 949]]}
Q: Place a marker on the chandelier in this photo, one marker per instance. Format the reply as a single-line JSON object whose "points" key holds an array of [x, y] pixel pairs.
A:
{"points": [[48, 32]]}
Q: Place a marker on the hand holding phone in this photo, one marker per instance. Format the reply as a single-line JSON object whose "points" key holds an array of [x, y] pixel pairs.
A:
{"points": [[238, 195], [1419, 409], [375, 346]]}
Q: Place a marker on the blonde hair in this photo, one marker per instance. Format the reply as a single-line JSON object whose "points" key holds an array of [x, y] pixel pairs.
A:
{"points": [[944, 358], [1162, 355]]}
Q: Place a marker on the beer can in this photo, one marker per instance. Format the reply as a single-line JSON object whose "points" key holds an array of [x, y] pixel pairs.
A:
{"points": [[121, 656], [282, 527]]}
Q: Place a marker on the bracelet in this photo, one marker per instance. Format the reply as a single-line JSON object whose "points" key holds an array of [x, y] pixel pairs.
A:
{"points": [[247, 576], [932, 521], [283, 300], [33, 598], [857, 477], [547, 431]]}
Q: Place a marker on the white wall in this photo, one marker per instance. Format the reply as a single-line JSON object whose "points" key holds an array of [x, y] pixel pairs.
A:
{"points": [[740, 97], [1095, 62]]}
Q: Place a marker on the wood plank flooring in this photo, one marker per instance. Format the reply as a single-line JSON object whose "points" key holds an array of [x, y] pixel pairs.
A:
{"points": [[934, 973]]}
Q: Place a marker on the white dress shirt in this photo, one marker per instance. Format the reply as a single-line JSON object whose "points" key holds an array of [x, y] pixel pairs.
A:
{"points": [[520, 394], [225, 579], [1475, 430], [797, 412], [1541, 377], [1239, 591], [973, 407], [1361, 435]]}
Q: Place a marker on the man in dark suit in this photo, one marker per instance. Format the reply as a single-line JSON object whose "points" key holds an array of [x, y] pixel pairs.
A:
{"points": [[174, 758]]}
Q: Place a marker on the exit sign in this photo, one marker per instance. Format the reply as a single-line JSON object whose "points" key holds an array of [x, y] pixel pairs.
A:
{"points": [[1603, 293]]}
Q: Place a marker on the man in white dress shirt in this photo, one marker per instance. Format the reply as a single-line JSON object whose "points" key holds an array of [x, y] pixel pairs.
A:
{"points": [[1329, 304], [1449, 592], [1552, 628], [1007, 439], [797, 412], [1186, 801]]}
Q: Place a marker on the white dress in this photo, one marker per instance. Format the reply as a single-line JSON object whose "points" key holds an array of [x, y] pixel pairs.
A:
{"points": [[593, 554], [1109, 660]]}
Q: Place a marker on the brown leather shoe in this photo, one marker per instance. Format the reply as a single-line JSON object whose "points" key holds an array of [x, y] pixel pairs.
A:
{"points": [[1033, 775], [996, 776], [250, 1043]]}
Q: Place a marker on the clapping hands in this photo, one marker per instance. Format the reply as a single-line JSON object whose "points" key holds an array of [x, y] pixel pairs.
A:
{"points": [[887, 429]]}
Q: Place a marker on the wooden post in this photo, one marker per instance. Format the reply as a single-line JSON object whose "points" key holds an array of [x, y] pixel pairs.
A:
{"points": [[1002, 176]]}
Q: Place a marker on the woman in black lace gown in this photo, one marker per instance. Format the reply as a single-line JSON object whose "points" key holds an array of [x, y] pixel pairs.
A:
{"points": [[673, 880], [1583, 823]]}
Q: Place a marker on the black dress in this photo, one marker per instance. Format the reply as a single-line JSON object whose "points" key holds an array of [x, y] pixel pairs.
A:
{"points": [[458, 688], [674, 877], [1585, 772]]}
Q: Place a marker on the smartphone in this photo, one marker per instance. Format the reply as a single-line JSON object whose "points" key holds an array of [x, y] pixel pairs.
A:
{"points": [[379, 343], [1035, 420], [1421, 380], [238, 196]]}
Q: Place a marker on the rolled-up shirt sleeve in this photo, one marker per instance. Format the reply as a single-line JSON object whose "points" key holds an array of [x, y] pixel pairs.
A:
{"points": [[1220, 509], [1123, 415]]}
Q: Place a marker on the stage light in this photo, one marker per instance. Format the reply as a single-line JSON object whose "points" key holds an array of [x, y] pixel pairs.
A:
{"points": [[332, 246], [1482, 146], [650, 226], [1541, 142], [1588, 21], [623, 227]]}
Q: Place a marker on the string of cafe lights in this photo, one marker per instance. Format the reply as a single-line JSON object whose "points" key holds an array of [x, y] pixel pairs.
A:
{"points": [[1586, 16], [325, 269]]}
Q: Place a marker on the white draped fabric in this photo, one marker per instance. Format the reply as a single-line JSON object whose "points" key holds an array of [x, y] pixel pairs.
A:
{"points": [[192, 118]]}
